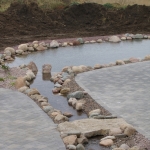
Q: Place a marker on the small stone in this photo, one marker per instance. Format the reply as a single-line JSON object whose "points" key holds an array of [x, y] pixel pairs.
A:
{"points": [[60, 118], [46, 68], [107, 142], [47, 108], [87, 42], [40, 48], [82, 140], [99, 41], [108, 137], [77, 95], [124, 147], [98, 111], [12, 50], [72, 100], [138, 36], [114, 39], [80, 40], [23, 47], [54, 44], [67, 114], [45, 104], [97, 66], [33, 92], [129, 130], [123, 38], [71, 147], [22, 89], [65, 91], [20, 82], [147, 57], [134, 60], [115, 131], [31, 49], [66, 81], [57, 85], [80, 147], [75, 43], [145, 37], [56, 90], [70, 140], [54, 114], [19, 51], [93, 41], [129, 38], [35, 42], [120, 62], [64, 44], [79, 106]]}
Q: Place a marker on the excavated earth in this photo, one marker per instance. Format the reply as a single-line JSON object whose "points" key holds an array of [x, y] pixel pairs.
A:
{"points": [[24, 23]]}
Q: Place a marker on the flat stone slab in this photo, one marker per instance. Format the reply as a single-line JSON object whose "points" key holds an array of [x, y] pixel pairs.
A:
{"points": [[123, 90], [91, 127], [24, 126]]}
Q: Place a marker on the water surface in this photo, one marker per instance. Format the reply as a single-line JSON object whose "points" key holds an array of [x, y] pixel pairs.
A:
{"points": [[87, 54]]}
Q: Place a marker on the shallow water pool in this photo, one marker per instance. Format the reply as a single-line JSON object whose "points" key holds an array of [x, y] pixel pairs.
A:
{"points": [[87, 54]]}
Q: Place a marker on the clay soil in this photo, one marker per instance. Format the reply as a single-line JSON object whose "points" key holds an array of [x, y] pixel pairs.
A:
{"points": [[24, 23]]}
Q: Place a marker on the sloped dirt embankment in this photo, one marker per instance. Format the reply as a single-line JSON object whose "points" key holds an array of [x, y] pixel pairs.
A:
{"points": [[24, 23]]}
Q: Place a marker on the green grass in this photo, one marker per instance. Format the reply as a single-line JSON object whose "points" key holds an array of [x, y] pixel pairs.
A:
{"points": [[1, 79], [43, 4]]}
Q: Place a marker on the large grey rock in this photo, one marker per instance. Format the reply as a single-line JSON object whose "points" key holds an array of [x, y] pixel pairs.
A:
{"points": [[54, 44], [47, 108], [85, 126], [77, 95], [138, 36], [80, 40]]}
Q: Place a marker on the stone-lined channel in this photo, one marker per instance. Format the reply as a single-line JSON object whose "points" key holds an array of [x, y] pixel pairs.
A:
{"points": [[87, 54]]}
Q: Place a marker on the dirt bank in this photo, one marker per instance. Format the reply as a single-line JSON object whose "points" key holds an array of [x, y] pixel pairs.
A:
{"points": [[24, 23]]}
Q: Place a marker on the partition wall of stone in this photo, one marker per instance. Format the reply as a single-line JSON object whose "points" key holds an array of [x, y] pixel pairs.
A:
{"points": [[74, 134]]}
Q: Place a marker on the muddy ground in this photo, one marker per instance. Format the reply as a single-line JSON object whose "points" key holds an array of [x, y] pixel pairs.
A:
{"points": [[24, 23]]}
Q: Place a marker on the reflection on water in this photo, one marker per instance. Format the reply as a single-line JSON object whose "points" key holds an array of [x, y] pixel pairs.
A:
{"points": [[46, 76], [58, 102], [94, 144]]}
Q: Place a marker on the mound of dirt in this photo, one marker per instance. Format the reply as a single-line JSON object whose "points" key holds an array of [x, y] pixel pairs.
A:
{"points": [[24, 23]]}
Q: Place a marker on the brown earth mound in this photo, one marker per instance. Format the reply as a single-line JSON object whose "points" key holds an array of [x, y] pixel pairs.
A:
{"points": [[24, 23]]}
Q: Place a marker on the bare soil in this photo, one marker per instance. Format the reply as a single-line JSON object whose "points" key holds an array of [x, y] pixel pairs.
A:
{"points": [[24, 23]]}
